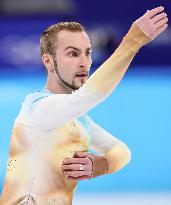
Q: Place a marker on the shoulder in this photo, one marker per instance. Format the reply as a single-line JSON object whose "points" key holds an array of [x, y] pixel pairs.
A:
{"points": [[29, 102], [34, 97]]}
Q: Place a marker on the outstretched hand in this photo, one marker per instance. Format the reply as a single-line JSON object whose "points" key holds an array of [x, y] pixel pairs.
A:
{"points": [[153, 22]]}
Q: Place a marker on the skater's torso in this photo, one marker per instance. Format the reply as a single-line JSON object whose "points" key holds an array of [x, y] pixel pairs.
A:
{"points": [[34, 165]]}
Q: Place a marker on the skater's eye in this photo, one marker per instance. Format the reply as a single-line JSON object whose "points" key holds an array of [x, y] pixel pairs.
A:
{"points": [[73, 54]]}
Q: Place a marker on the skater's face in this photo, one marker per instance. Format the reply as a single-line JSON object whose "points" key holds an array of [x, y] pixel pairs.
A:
{"points": [[72, 60]]}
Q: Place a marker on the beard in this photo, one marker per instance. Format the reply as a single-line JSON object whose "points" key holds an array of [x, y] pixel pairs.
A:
{"points": [[72, 85]]}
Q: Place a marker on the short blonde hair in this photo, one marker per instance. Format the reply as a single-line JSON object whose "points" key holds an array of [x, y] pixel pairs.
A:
{"points": [[48, 37]]}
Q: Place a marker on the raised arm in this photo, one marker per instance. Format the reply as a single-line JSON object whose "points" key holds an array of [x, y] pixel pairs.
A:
{"points": [[52, 111], [142, 31]]}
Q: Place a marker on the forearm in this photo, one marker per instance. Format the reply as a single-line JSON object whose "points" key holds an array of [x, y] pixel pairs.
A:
{"points": [[115, 159], [109, 74], [99, 165]]}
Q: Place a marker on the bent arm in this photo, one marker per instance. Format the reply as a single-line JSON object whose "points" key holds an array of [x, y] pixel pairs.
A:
{"points": [[116, 152]]}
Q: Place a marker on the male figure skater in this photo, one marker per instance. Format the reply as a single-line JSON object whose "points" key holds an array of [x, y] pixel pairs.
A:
{"points": [[52, 135]]}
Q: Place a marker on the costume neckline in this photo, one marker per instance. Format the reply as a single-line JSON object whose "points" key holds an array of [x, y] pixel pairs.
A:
{"points": [[45, 90]]}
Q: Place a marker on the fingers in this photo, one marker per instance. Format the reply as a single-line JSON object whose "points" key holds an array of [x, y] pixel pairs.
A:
{"points": [[161, 23], [78, 164], [74, 167], [159, 17], [71, 167], [154, 12], [153, 22], [76, 161], [161, 29], [77, 167], [76, 173]]}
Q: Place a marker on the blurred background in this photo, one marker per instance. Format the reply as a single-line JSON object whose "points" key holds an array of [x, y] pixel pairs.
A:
{"points": [[138, 112]]}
